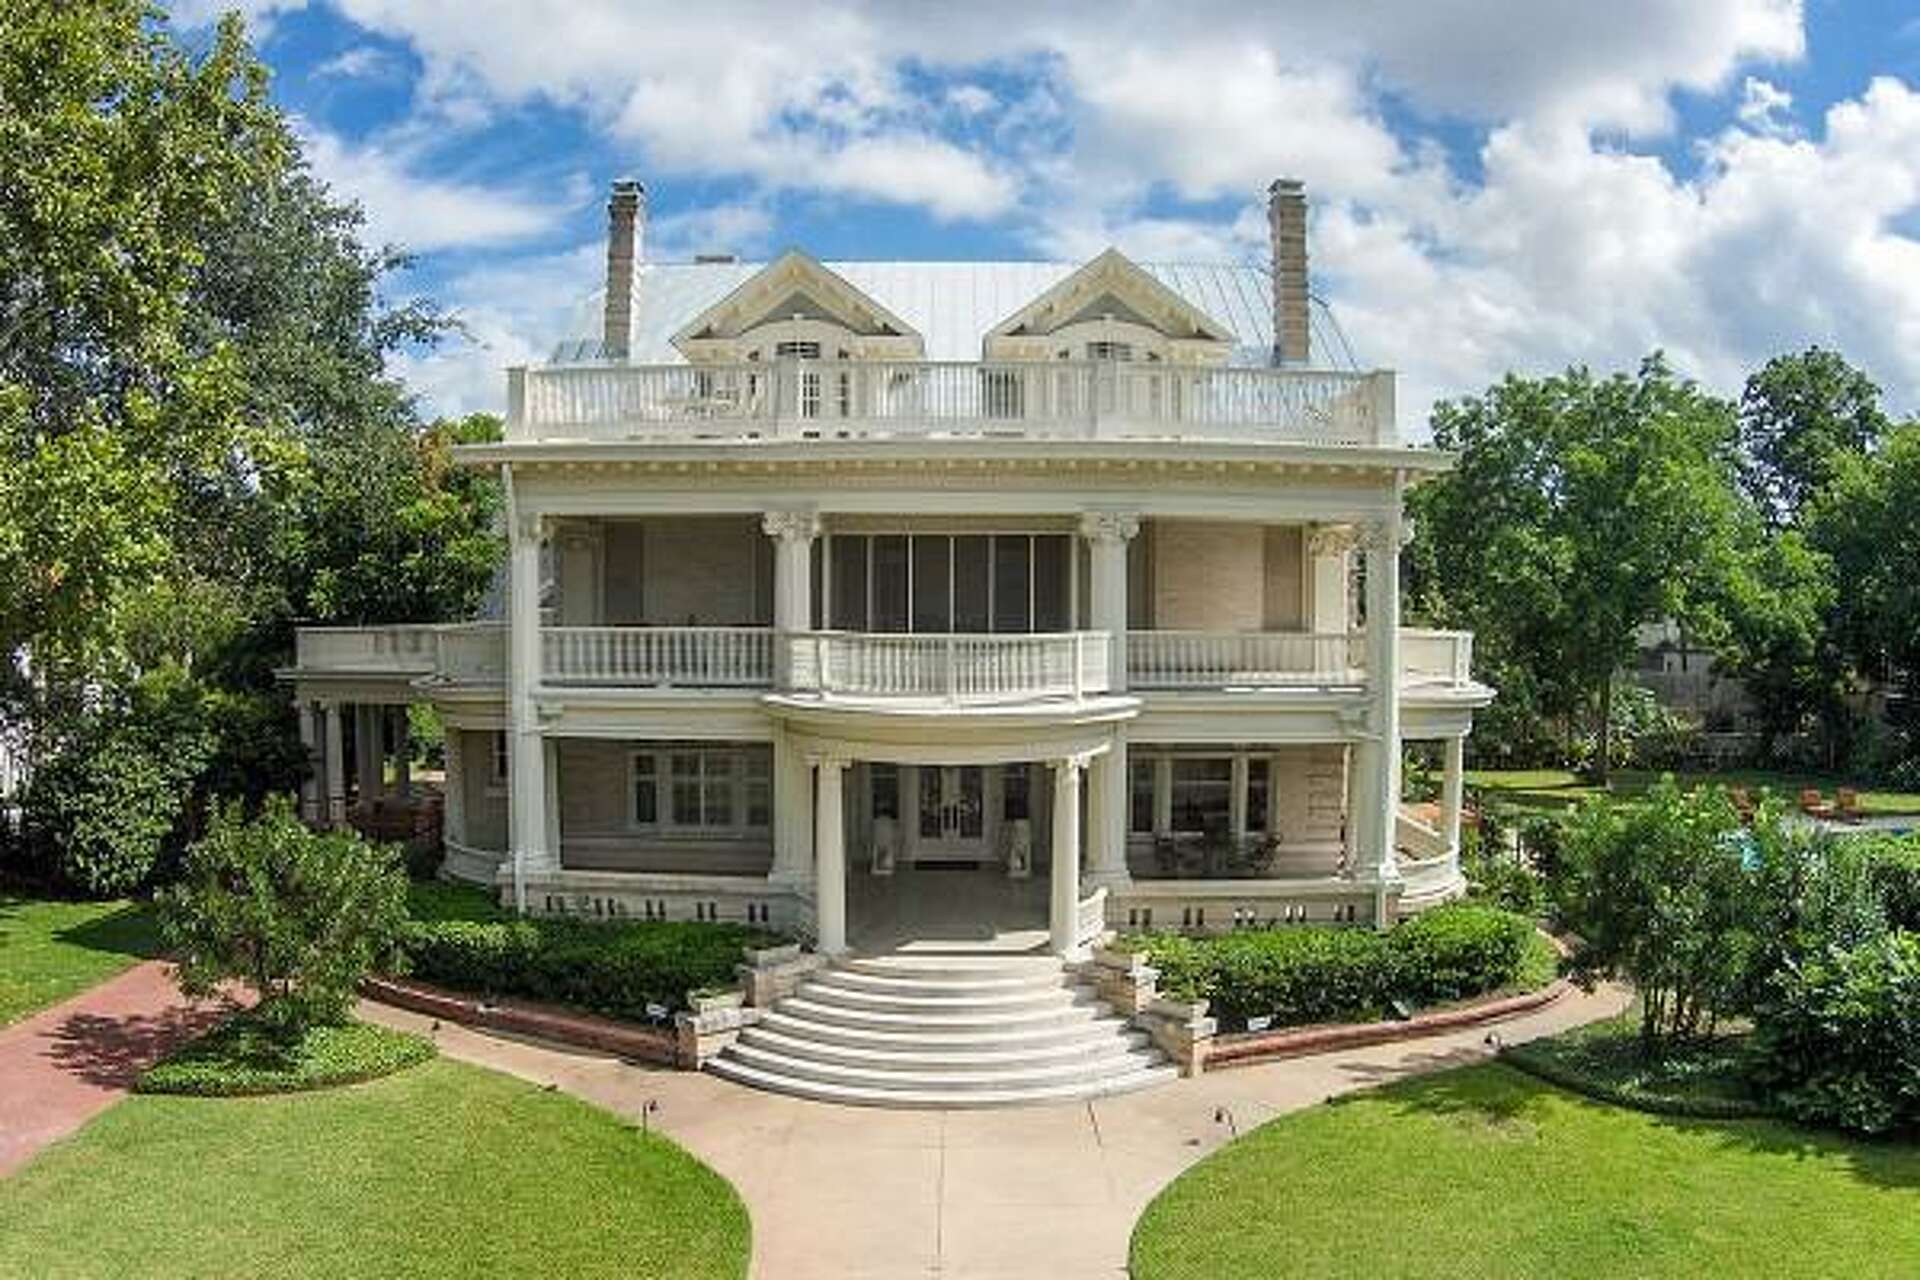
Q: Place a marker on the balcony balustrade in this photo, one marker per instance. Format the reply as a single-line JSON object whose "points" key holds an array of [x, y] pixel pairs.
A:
{"points": [[955, 669], [952, 669], [881, 399]]}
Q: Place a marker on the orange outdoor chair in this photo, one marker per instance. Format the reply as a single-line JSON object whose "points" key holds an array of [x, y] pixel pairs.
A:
{"points": [[1846, 805], [1814, 804]]}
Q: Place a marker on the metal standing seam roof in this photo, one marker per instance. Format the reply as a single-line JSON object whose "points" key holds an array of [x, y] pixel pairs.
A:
{"points": [[952, 305]]}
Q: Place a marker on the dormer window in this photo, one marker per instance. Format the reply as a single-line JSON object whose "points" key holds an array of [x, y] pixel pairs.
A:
{"points": [[1105, 350], [797, 350]]}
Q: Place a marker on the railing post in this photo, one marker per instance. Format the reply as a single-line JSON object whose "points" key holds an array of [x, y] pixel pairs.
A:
{"points": [[953, 674]]}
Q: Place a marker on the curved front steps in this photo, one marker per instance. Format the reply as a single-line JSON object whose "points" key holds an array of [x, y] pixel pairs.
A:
{"points": [[943, 1031]]}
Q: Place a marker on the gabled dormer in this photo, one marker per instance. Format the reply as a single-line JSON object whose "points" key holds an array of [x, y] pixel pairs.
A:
{"points": [[794, 306], [1110, 309]]}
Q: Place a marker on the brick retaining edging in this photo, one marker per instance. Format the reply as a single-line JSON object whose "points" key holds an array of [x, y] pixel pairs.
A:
{"points": [[1246, 1048], [523, 1017]]}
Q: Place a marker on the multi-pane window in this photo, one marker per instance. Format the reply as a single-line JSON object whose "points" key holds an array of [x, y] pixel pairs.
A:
{"points": [[497, 761], [702, 789], [1201, 787], [1140, 796], [1202, 793], [969, 583], [1259, 793]]}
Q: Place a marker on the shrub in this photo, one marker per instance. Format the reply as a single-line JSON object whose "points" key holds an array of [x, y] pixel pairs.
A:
{"points": [[1453, 952], [1659, 894], [1319, 974], [1893, 867], [299, 916], [614, 969], [1838, 1041]]}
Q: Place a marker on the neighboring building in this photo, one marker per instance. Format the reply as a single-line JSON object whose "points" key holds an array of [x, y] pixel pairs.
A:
{"points": [[878, 593], [1686, 679]]}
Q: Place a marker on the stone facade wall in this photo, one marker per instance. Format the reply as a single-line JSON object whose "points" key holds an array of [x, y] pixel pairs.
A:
{"points": [[1221, 576], [686, 571], [486, 798]]}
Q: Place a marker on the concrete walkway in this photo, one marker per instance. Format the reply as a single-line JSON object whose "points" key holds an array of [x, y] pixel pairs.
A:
{"points": [[1038, 1191], [66, 1064]]}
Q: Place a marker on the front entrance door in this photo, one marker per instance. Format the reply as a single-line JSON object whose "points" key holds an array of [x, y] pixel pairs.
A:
{"points": [[951, 824]]}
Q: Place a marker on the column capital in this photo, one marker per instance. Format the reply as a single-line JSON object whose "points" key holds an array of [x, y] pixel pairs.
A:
{"points": [[1109, 525], [791, 525], [528, 526], [820, 761], [1385, 534], [1067, 769], [1331, 539]]}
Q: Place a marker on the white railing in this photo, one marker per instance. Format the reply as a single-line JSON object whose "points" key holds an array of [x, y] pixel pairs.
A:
{"points": [[1079, 399], [954, 669], [1426, 878], [1435, 657], [1221, 659], [398, 649], [1417, 837], [1090, 918], [696, 656], [473, 652]]}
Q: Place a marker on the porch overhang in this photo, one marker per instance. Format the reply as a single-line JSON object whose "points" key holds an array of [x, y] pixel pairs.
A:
{"points": [[940, 734]]}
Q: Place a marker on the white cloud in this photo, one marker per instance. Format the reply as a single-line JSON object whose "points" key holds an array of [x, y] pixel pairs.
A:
{"points": [[1765, 107], [422, 213], [361, 62]]}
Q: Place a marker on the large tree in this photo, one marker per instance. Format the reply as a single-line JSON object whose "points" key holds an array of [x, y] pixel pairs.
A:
{"points": [[1581, 507], [1800, 416], [199, 441]]}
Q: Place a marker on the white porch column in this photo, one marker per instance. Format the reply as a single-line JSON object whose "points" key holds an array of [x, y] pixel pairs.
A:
{"points": [[527, 757], [1374, 857], [1109, 798], [792, 823], [369, 751], [550, 752], [1274, 792], [1452, 785], [402, 755], [1107, 534], [1163, 796], [335, 763], [1064, 909], [313, 785], [453, 812], [793, 533], [1328, 546], [830, 855]]}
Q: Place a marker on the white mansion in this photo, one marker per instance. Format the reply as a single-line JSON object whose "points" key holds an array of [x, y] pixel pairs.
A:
{"points": [[872, 597]]}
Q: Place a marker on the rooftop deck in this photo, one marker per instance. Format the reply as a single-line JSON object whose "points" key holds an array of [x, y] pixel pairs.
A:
{"points": [[826, 399]]}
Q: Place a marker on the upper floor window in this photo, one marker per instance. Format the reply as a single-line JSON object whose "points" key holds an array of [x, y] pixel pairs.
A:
{"points": [[1105, 350], [798, 350]]}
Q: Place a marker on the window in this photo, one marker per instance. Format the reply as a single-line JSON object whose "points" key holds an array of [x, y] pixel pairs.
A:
{"points": [[797, 350], [497, 762], [1016, 800], [1119, 351], [702, 790], [1259, 794], [1201, 789], [886, 790], [1140, 796]]}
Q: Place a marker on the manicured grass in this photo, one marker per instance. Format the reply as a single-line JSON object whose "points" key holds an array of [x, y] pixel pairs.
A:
{"points": [[446, 900], [50, 950], [242, 1056], [1603, 1060], [445, 1170], [1556, 789], [1486, 1172]]}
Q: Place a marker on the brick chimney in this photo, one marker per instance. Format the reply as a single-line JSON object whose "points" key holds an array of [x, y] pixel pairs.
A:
{"points": [[626, 219], [1287, 226]]}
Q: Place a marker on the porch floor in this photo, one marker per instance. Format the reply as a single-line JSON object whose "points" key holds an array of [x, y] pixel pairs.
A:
{"points": [[947, 909]]}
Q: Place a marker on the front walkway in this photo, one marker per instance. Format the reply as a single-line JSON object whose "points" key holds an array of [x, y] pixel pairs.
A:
{"points": [[65, 1065], [1039, 1191]]}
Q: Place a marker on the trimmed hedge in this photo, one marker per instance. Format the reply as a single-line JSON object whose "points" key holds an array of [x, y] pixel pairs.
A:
{"points": [[1311, 974], [613, 969]]}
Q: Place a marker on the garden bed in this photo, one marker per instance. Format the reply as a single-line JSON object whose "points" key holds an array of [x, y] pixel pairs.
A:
{"points": [[1603, 1060], [242, 1056], [656, 1044]]}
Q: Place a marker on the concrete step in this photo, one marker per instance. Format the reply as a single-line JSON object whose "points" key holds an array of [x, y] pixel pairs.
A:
{"points": [[830, 989], [802, 1005], [998, 1078], [908, 1037], [937, 984], [732, 1068], [1103, 1045], [910, 964]]}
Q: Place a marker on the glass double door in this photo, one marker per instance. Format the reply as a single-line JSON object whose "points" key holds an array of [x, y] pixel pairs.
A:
{"points": [[951, 819]]}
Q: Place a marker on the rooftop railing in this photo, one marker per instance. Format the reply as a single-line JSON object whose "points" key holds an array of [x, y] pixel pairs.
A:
{"points": [[801, 399]]}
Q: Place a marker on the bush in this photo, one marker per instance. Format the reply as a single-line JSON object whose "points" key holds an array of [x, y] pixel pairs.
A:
{"points": [[299, 916], [1659, 895], [1321, 974], [245, 1055], [1893, 868], [1838, 1041], [614, 969]]}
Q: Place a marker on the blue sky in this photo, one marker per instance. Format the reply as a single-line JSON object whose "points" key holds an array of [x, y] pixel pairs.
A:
{"points": [[1494, 186]]}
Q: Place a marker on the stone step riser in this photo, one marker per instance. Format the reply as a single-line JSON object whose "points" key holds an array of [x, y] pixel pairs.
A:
{"points": [[1108, 1050], [1041, 1039], [1004, 1079], [822, 1091], [947, 988], [1014, 1004], [907, 1020]]}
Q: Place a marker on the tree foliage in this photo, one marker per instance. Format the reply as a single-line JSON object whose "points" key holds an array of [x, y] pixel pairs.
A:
{"points": [[1801, 415]]}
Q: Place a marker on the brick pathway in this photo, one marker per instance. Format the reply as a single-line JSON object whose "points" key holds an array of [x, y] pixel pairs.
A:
{"points": [[65, 1065]]}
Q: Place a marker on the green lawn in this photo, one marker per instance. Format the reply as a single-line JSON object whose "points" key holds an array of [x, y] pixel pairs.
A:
{"points": [[1555, 789], [1486, 1172], [51, 950], [441, 1170]]}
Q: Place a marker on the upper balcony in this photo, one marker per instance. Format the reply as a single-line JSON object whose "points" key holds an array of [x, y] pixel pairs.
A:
{"points": [[795, 399]]}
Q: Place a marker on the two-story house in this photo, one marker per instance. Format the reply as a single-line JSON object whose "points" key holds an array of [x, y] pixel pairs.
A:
{"points": [[893, 600]]}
